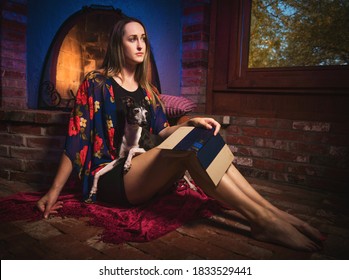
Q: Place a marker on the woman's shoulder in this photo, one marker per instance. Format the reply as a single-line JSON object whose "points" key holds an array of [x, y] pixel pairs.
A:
{"points": [[98, 79], [95, 76]]}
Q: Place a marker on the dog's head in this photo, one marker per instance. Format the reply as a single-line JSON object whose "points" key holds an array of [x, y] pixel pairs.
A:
{"points": [[135, 113]]}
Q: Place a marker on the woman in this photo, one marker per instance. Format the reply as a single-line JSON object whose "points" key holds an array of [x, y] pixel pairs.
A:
{"points": [[94, 141]]}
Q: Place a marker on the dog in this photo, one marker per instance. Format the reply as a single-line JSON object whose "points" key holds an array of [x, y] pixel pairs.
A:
{"points": [[136, 140], [135, 120]]}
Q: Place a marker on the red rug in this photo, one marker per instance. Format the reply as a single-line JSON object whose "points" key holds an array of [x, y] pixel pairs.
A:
{"points": [[163, 214]]}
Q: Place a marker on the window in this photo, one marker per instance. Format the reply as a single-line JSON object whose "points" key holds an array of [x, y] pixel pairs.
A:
{"points": [[289, 33], [275, 46], [247, 77]]}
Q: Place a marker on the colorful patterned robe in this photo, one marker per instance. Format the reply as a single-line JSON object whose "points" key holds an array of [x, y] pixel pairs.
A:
{"points": [[92, 140]]}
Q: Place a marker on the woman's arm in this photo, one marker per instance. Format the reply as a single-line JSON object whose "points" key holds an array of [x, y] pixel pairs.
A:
{"points": [[207, 123], [48, 204]]}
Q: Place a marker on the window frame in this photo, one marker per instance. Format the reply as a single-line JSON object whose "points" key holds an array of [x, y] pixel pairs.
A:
{"points": [[315, 79]]}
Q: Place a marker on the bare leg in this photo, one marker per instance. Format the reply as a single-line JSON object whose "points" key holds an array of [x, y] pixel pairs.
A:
{"points": [[245, 187], [155, 169]]}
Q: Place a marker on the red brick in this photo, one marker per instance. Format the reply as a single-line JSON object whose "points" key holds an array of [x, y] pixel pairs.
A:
{"points": [[233, 129], [194, 64], [12, 35], [274, 123], [44, 166], [195, 45], [311, 137], [339, 151], [196, 90], [289, 156], [254, 173], [56, 130], [302, 159], [14, 92], [255, 152], [311, 126], [49, 117], [14, 84], [43, 153], [271, 143], [11, 140], [269, 165], [8, 74], [196, 72], [198, 36], [244, 121], [12, 164], [289, 135], [193, 81], [305, 170], [25, 129], [40, 142], [14, 64], [308, 148], [195, 28], [195, 55], [240, 140], [243, 161], [17, 8], [14, 54], [256, 131], [13, 25], [14, 103], [288, 178], [193, 19], [3, 126], [202, 9], [200, 109], [4, 151], [5, 174], [9, 48], [41, 179]]}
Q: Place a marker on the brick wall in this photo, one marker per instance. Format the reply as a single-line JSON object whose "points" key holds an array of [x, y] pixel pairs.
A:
{"points": [[195, 39], [31, 143], [13, 54], [302, 153]]}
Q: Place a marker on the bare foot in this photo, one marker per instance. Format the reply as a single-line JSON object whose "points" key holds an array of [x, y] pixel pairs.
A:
{"points": [[275, 230], [302, 226]]}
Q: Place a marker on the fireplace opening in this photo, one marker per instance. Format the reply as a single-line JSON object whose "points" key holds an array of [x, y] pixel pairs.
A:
{"points": [[78, 47]]}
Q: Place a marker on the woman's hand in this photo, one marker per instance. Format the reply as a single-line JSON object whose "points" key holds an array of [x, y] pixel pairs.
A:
{"points": [[48, 204], [207, 123]]}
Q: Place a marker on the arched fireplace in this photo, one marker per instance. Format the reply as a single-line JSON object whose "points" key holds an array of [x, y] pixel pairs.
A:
{"points": [[78, 47]]}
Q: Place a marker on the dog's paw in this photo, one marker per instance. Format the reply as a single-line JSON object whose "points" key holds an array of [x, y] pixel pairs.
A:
{"points": [[127, 167], [188, 179]]}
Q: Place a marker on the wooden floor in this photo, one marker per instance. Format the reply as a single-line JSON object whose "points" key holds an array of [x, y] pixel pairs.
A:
{"points": [[224, 236]]}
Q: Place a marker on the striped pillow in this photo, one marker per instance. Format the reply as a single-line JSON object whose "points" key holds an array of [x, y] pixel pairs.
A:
{"points": [[176, 106]]}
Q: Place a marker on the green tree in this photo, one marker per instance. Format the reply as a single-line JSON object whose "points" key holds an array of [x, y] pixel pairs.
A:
{"points": [[288, 33]]}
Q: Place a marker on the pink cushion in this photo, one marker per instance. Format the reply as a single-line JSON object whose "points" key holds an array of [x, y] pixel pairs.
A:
{"points": [[176, 106]]}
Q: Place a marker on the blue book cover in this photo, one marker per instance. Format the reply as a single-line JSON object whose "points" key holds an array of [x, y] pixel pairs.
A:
{"points": [[204, 143], [214, 156]]}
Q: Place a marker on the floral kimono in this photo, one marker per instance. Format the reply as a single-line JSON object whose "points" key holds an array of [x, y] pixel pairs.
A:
{"points": [[94, 124]]}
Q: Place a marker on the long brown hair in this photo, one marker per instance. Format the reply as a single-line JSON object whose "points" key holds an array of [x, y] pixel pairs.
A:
{"points": [[114, 60]]}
